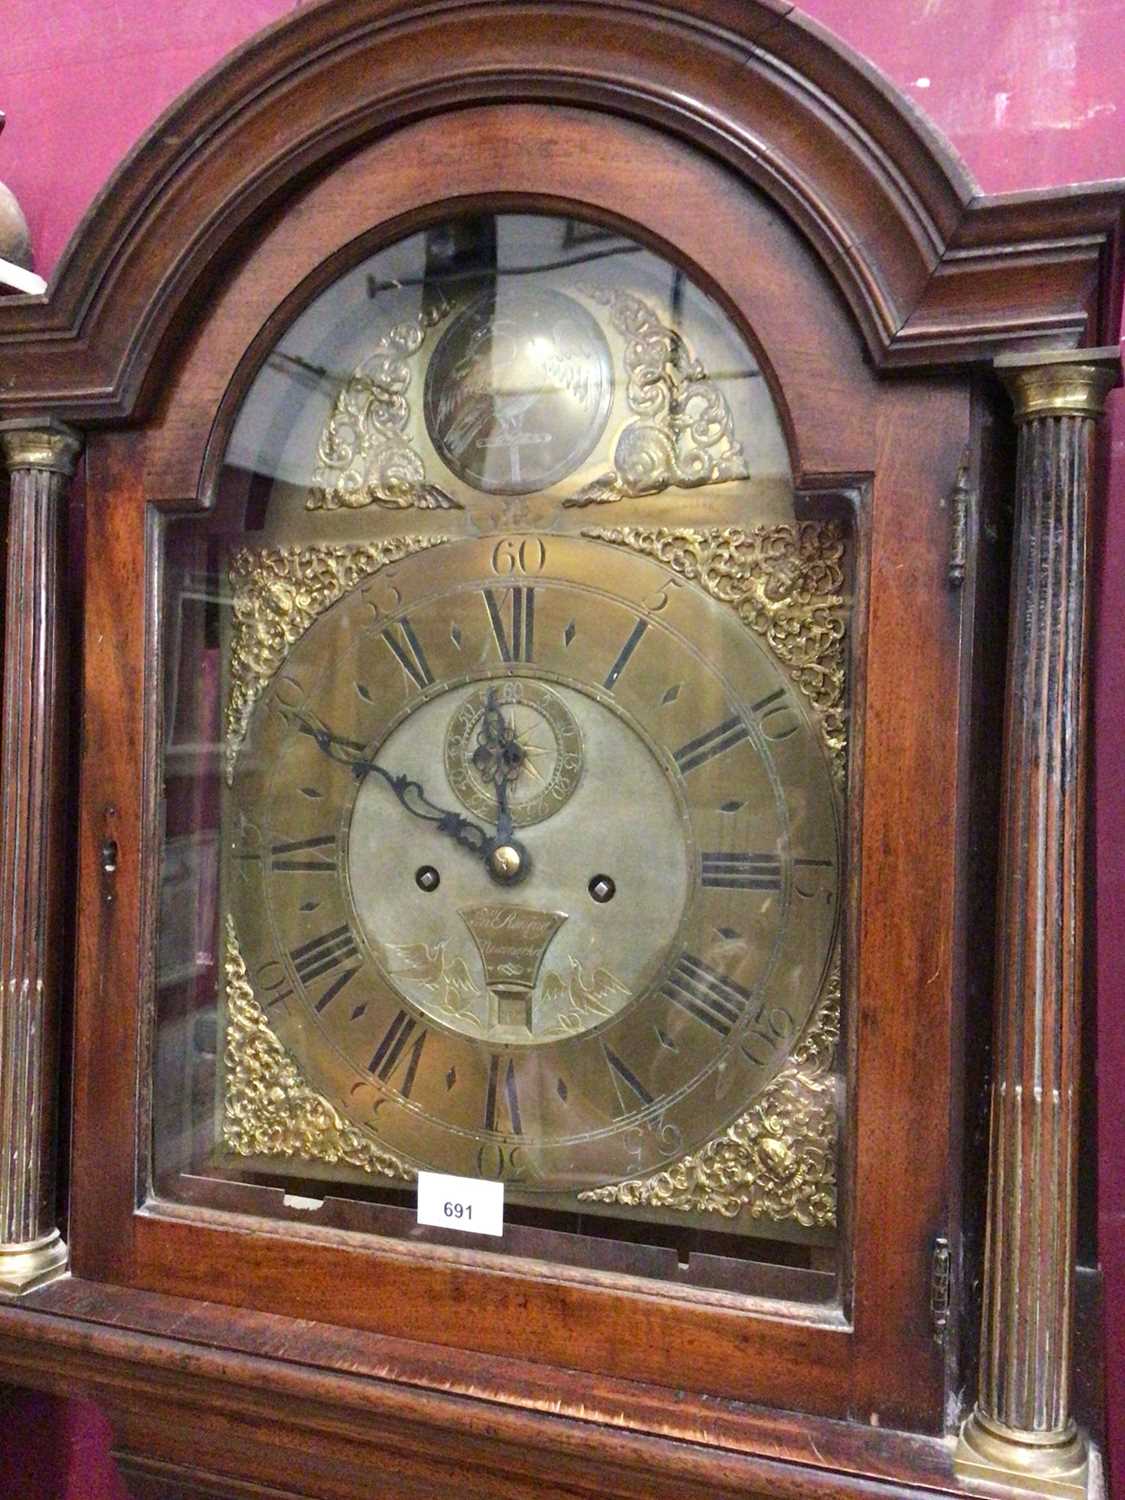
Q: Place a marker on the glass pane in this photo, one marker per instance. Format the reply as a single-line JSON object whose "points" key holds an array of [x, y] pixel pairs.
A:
{"points": [[504, 773]]}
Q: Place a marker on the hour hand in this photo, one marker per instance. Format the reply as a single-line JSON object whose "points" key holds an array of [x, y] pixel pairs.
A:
{"points": [[410, 793]]}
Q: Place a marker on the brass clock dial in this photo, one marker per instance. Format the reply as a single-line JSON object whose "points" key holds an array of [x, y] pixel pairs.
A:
{"points": [[536, 861]]}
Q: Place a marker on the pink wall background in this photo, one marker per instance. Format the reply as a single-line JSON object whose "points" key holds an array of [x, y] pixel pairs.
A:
{"points": [[1032, 95]]}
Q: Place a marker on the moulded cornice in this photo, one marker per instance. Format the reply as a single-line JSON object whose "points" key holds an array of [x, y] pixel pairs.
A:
{"points": [[934, 273]]}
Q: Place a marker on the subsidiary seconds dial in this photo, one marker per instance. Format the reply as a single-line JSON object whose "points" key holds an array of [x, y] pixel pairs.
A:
{"points": [[644, 964]]}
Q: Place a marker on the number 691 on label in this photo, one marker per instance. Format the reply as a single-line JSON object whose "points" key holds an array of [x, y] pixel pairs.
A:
{"points": [[465, 1203]]}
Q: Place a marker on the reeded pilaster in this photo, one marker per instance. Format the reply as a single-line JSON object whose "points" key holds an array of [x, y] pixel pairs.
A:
{"points": [[1022, 1430], [40, 457]]}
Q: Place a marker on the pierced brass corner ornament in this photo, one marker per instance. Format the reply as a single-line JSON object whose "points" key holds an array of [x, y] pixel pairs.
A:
{"points": [[1060, 382], [1047, 1463], [366, 455]]}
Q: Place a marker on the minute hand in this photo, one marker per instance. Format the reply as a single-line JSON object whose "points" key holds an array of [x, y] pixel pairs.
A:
{"points": [[410, 793]]}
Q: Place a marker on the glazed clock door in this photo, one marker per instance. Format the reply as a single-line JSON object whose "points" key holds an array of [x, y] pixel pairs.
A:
{"points": [[529, 585], [527, 843]]}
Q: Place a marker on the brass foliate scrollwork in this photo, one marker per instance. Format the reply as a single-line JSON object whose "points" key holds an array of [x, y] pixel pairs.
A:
{"points": [[365, 455], [683, 434], [777, 1161], [277, 593], [268, 1108], [785, 583]]}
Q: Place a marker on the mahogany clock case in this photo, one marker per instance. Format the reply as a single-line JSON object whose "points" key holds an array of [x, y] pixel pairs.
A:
{"points": [[887, 450], [885, 446]]}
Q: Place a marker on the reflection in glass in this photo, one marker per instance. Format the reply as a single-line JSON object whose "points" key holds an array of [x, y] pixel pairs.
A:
{"points": [[503, 772]]}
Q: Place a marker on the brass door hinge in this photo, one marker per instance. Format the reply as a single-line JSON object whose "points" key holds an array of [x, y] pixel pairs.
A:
{"points": [[961, 500], [940, 1268]]}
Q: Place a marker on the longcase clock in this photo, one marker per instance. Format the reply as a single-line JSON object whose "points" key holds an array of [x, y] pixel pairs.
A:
{"points": [[554, 477]]}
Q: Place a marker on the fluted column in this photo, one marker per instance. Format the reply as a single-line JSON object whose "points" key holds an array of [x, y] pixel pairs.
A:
{"points": [[40, 457], [1022, 1430]]}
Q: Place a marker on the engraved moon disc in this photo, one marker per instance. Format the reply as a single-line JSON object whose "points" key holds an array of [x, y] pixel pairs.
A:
{"points": [[518, 390]]}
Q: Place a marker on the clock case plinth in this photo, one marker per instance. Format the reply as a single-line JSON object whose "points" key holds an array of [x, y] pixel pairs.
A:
{"points": [[880, 286]]}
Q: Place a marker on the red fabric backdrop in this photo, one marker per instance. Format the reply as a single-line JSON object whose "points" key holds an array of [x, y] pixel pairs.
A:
{"points": [[1032, 94]]}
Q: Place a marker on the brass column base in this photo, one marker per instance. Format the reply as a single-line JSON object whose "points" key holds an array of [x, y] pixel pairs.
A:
{"points": [[30, 1265], [1049, 1465]]}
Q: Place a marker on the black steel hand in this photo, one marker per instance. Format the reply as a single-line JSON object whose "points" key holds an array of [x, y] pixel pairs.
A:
{"points": [[498, 757], [504, 826], [410, 793]]}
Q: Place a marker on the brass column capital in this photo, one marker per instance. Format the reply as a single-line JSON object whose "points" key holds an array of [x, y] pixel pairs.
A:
{"points": [[1060, 382], [39, 443]]}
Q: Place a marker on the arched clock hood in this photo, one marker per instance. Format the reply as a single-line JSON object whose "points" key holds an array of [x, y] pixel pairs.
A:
{"points": [[933, 271], [819, 290]]}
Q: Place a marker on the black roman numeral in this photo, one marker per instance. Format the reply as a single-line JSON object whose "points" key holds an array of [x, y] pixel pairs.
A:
{"points": [[322, 954], [335, 987], [740, 872], [287, 857], [492, 1097], [407, 647], [724, 736], [515, 639], [390, 1050], [624, 654], [623, 1074], [709, 997]]}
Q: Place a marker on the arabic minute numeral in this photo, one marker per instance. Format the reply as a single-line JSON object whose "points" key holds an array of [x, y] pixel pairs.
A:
{"points": [[776, 718], [512, 554]]}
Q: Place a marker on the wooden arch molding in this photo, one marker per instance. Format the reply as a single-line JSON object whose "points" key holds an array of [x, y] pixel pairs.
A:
{"points": [[934, 273]]}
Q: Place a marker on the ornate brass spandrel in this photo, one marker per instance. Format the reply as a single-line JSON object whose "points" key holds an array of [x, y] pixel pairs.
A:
{"points": [[683, 432], [777, 1161], [365, 455], [268, 1108], [786, 583], [277, 592]]}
